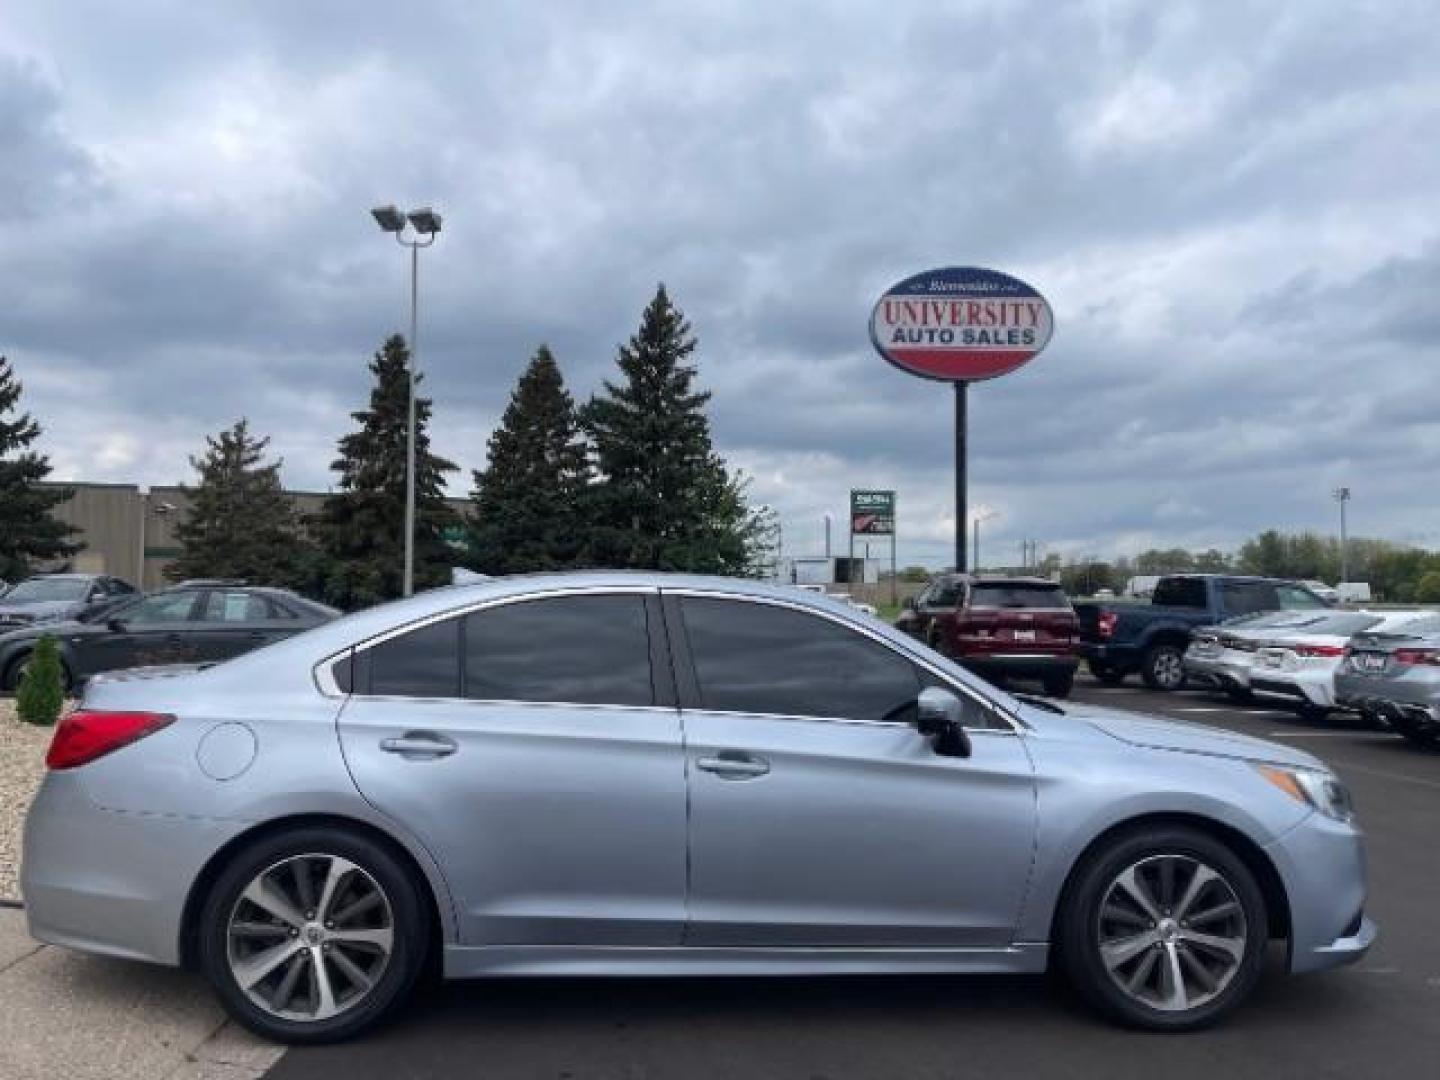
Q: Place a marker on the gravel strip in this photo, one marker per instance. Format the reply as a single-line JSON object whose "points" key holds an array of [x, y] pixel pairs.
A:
{"points": [[22, 764]]}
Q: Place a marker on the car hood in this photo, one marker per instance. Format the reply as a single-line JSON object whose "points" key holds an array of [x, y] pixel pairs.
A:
{"points": [[36, 609], [1157, 733]]}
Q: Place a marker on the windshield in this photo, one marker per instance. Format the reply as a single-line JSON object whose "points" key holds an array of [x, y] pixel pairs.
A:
{"points": [[43, 589], [1017, 595]]}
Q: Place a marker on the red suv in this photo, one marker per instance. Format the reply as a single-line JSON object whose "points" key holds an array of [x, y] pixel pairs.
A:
{"points": [[999, 627]]}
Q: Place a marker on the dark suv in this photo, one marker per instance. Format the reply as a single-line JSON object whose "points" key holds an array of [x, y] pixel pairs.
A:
{"points": [[999, 627]]}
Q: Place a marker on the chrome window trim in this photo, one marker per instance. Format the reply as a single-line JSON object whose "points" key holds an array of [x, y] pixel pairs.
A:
{"points": [[1015, 725], [327, 685]]}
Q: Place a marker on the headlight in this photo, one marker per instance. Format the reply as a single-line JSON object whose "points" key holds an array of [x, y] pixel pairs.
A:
{"points": [[1316, 789]]}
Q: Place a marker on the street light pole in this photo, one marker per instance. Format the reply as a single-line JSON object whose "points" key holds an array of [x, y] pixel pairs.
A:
{"points": [[981, 514], [1342, 496], [424, 221]]}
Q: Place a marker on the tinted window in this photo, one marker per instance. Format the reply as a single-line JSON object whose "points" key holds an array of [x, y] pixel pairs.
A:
{"points": [[1239, 597], [237, 607], [946, 594], [43, 589], [162, 608], [1183, 592], [1016, 595], [764, 659], [1293, 596], [590, 650], [422, 663]]}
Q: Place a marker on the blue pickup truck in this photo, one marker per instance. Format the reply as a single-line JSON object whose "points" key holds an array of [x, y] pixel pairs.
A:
{"points": [[1117, 639]]}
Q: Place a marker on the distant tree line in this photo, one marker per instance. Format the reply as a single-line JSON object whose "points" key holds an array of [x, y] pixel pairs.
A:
{"points": [[628, 480]]}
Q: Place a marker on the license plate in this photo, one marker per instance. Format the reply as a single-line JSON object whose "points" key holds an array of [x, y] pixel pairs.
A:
{"points": [[1370, 661], [1024, 635]]}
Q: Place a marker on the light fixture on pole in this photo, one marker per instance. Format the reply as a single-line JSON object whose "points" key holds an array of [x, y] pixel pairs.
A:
{"points": [[160, 509], [426, 223], [982, 513], [1342, 496]]}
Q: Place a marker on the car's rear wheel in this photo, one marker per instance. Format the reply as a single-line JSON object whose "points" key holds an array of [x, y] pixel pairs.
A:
{"points": [[1164, 668], [313, 935], [1241, 694], [1059, 685], [1428, 737], [16, 671], [1164, 930]]}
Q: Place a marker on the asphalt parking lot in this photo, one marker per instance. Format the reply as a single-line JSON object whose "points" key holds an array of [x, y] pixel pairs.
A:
{"points": [[1377, 1018]]}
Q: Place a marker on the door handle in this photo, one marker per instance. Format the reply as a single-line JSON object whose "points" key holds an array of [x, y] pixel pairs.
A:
{"points": [[420, 744], [734, 765]]}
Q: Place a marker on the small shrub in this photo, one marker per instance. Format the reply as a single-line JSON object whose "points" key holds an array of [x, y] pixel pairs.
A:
{"points": [[1428, 589], [42, 688]]}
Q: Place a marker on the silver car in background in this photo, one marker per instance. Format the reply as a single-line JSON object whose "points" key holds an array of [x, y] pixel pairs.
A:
{"points": [[1394, 677], [647, 774]]}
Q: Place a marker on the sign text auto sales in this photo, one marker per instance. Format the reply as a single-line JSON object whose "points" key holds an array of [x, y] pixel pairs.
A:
{"points": [[922, 321]]}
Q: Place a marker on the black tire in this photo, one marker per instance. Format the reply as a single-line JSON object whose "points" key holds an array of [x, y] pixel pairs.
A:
{"points": [[1110, 676], [1059, 685], [1428, 738], [1079, 926], [410, 921], [1242, 695], [1164, 668], [17, 667], [1312, 714]]}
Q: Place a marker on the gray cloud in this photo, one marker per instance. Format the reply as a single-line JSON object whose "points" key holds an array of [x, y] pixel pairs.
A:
{"points": [[1233, 213]]}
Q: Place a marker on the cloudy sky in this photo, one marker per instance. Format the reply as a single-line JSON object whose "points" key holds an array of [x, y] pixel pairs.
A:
{"points": [[1234, 209]]}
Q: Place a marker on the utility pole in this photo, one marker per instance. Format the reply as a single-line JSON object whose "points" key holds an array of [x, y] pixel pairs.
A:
{"points": [[1342, 496]]}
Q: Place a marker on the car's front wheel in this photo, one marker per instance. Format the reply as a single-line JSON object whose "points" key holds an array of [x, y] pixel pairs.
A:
{"points": [[313, 935], [1059, 685], [1164, 930]]}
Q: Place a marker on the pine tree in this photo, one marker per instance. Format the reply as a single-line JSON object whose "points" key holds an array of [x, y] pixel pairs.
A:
{"points": [[529, 502], [41, 694], [665, 500], [361, 527], [29, 531], [240, 523]]}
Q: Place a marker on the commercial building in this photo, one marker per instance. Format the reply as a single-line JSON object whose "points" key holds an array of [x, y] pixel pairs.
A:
{"points": [[130, 532]]}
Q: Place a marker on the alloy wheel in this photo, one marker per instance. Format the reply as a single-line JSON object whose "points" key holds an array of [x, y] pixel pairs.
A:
{"points": [[309, 937], [1169, 669], [1172, 932]]}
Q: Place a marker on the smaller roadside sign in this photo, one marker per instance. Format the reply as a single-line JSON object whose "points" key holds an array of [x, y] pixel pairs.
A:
{"points": [[872, 513]]}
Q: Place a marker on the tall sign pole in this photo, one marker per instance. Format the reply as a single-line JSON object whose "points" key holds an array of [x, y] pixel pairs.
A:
{"points": [[962, 403], [960, 324]]}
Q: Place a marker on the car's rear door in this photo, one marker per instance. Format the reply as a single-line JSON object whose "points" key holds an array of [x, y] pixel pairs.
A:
{"points": [[819, 817], [156, 629], [533, 746]]}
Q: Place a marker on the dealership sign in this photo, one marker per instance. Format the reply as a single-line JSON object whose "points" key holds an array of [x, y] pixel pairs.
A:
{"points": [[960, 324], [872, 513]]}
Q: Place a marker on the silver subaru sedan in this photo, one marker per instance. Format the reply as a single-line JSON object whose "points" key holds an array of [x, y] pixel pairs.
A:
{"points": [[647, 774]]}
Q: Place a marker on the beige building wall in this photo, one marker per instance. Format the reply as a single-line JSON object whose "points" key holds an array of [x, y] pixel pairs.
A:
{"points": [[111, 517]]}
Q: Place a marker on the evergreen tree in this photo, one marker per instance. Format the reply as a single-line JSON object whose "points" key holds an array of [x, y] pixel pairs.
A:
{"points": [[361, 527], [41, 693], [665, 500], [29, 531], [240, 523], [529, 502]]}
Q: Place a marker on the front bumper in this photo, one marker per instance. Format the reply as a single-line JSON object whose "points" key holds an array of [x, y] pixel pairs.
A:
{"points": [[1221, 671], [1321, 863], [109, 882]]}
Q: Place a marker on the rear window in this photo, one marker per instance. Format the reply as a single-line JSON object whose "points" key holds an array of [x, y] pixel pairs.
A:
{"points": [[1017, 595], [1181, 592]]}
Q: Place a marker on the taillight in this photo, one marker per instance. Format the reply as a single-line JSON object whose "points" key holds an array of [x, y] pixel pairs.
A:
{"points": [[1105, 624], [1428, 657], [1318, 650], [86, 735]]}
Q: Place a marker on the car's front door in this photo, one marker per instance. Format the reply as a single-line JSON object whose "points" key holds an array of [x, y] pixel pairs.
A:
{"points": [[818, 814], [153, 630], [533, 747]]}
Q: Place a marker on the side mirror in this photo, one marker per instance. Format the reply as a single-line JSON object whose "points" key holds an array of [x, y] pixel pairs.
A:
{"points": [[115, 625], [939, 714]]}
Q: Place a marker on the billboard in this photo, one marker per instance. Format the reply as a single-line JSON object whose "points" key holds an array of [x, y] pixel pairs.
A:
{"points": [[960, 324], [872, 513]]}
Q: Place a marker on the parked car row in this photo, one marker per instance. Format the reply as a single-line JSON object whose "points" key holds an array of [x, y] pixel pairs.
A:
{"points": [[1151, 638], [194, 622], [1385, 665]]}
